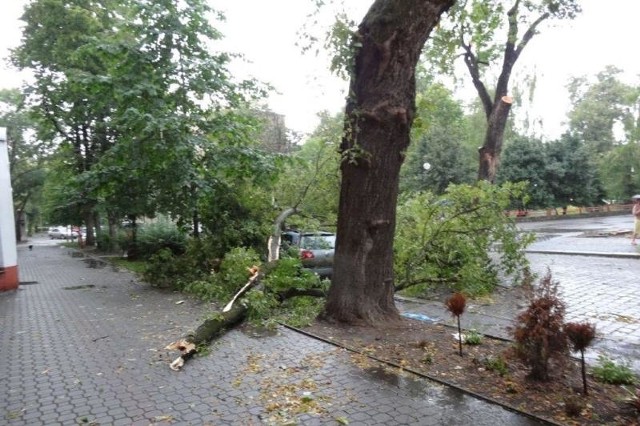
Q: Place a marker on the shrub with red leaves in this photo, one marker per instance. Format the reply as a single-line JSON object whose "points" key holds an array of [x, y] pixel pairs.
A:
{"points": [[456, 304], [581, 335], [539, 331]]}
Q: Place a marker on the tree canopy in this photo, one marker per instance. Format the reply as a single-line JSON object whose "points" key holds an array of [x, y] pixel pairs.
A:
{"points": [[143, 112], [490, 37]]}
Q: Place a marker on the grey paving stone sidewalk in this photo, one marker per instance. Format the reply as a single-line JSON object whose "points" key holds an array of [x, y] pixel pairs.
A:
{"points": [[80, 344]]}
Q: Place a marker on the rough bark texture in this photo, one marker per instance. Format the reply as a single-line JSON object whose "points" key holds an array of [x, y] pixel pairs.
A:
{"points": [[214, 326], [90, 224], [206, 332], [379, 114], [275, 238], [489, 153]]}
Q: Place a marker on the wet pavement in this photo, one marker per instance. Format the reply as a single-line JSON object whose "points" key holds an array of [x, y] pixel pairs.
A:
{"points": [[82, 342]]}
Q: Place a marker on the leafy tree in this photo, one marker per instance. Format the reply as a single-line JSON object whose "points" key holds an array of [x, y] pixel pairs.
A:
{"points": [[70, 107], [310, 180], [525, 161], [153, 120], [378, 118], [438, 133], [27, 159], [471, 32], [61, 191], [620, 171], [598, 107], [183, 107], [570, 173]]}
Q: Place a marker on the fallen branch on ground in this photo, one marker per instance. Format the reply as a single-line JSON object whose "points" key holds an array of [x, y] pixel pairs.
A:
{"points": [[232, 314]]}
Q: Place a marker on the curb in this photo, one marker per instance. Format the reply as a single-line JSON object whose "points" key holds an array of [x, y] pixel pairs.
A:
{"points": [[587, 253]]}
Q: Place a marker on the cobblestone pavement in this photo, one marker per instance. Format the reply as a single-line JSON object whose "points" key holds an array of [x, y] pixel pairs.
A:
{"points": [[82, 343]]}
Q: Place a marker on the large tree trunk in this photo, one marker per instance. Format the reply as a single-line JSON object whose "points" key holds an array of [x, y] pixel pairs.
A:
{"points": [[489, 153], [379, 114]]}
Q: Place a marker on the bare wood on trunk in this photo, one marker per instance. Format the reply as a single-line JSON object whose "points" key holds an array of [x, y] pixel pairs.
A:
{"points": [[275, 238]]}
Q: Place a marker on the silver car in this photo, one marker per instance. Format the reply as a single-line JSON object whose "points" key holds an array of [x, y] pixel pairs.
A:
{"points": [[60, 233], [316, 250]]}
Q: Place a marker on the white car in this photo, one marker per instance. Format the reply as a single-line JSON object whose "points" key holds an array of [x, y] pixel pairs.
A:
{"points": [[61, 233]]}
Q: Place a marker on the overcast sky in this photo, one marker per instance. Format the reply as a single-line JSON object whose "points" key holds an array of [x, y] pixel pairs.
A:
{"points": [[266, 32]]}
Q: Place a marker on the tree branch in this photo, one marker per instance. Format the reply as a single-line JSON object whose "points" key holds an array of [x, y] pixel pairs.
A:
{"points": [[530, 33], [471, 61], [511, 52]]}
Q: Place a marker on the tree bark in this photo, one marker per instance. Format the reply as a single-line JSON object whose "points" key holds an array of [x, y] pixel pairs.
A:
{"points": [[206, 332], [489, 153], [90, 224], [379, 114]]}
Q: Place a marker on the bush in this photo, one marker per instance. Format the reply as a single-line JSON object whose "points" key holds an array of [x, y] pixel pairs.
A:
{"points": [[105, 243], [497, 364], [154, 237], [473, 338], [162, 270], [608, 371], [539, 331]]}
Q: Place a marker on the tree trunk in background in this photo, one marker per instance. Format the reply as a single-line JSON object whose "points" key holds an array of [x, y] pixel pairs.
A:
{"points": [[21, 220], [379, 114], [90, 224], [489, 153]]}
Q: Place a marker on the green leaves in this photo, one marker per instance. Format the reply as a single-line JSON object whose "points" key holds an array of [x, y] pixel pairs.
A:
{"points": [[148, 116], [449, 241]]}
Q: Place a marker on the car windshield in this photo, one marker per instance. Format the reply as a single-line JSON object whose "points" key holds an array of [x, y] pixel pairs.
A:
{"points": [[318, 242]]}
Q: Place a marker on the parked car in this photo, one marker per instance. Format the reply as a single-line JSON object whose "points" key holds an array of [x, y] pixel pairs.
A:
{"points": [[316, 250], [61, 233]]}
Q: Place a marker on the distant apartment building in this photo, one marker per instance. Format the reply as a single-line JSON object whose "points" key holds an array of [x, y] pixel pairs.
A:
{"points": [[274, 132]]}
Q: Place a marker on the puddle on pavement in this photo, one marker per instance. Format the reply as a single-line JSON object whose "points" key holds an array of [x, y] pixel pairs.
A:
{"points": [[258, 332], [414, 386], [28, 282], [94, 263], [76, 254], [439, 395], [79, 287]]}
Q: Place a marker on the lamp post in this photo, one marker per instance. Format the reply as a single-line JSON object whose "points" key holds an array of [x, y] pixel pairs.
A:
{"points": [[8, 251]]}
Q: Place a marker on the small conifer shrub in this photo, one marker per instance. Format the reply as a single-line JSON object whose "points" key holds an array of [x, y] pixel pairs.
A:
{"points": [[539, 331]]}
